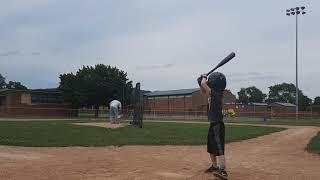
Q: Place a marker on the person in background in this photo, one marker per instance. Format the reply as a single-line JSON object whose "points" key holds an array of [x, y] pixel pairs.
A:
{"points": [[115, 108]]}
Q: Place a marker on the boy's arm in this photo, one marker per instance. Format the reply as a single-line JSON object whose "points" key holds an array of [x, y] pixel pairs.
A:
{"points": [[204, 87], [203, 91]]}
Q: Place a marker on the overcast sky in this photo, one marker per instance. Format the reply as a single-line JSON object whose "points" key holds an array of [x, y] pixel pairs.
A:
{"points": [[164, 44]]}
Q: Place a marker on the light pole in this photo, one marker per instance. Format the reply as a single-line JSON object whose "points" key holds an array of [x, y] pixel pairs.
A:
{"points": [[295, 12], [124, 83]]}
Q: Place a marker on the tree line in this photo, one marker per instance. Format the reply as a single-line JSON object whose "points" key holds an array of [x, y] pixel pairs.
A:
{"points": [[285, 92], [11, 84], [93, 86], [90, 86]]}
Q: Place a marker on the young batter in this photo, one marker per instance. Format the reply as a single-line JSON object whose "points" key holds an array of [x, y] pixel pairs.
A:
{"points": [[213, 86]]}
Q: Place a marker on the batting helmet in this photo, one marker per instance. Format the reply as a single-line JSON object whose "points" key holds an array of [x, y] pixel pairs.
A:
{"points": [[217, 81]]}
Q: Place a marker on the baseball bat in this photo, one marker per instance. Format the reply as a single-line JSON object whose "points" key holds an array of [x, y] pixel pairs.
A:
{"points": [[224, 61]]}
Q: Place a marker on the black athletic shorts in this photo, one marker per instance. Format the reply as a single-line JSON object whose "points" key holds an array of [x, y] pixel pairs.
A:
{"points": [[215, 141]]}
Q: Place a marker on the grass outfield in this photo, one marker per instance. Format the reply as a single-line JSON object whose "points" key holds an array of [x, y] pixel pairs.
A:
{"points": [[301, 122], [63, 133], [314, 145]]}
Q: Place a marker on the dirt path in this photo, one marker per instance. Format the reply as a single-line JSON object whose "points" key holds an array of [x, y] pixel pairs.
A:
{"points": [[277, 156]]}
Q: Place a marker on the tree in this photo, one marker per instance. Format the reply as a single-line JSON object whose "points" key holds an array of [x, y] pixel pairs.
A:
{"points": [[11, 84], [15, 85], [70, 88], [287, 93], [95, 86], [2, 82], [251, 95], [316, 100]]}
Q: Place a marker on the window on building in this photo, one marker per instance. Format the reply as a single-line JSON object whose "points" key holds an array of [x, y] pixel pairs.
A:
{"points": [[46, 99], [1, 100], [25, 98]]}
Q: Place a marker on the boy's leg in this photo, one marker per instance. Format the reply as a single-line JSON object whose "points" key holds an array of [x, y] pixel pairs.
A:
{"points": [[211, 149], [219, 130], [221, 162], [213, 159], [213, 168], [221, 168], [215, 143]]}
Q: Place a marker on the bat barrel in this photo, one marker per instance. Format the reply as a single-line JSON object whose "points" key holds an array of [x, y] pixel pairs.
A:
{"points": [[224, 61]]}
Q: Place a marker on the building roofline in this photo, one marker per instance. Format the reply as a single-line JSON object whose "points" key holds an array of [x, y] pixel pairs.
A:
{"points": [[285, 104], [13, 90], [259, 104], [30, 91], [176, 92]]}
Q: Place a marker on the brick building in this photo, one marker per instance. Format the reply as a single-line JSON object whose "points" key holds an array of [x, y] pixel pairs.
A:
{"points": [[278, 107], [283, 110], [250, 110], [47, 102], [178, 101], [251, 107], [275, 110]]}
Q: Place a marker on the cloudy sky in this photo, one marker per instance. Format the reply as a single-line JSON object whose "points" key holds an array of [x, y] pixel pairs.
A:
{"points": [[164, 44]]}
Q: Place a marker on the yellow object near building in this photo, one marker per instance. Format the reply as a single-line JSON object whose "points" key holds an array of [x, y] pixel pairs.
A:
{"points": [[230, 113]]}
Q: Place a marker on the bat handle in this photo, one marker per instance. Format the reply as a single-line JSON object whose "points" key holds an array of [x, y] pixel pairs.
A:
{"points": [[211, 71]]}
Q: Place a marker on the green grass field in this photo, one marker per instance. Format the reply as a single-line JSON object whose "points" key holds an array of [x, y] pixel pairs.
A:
{"points": [[63, 133], [314, 145], [302, 122]]}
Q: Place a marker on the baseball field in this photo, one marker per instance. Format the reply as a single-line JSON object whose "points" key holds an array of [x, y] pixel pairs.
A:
{"points": [[95, 149]]}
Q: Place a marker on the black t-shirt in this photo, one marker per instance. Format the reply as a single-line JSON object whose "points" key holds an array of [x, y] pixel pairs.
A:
{"points": [[215, 107]]}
